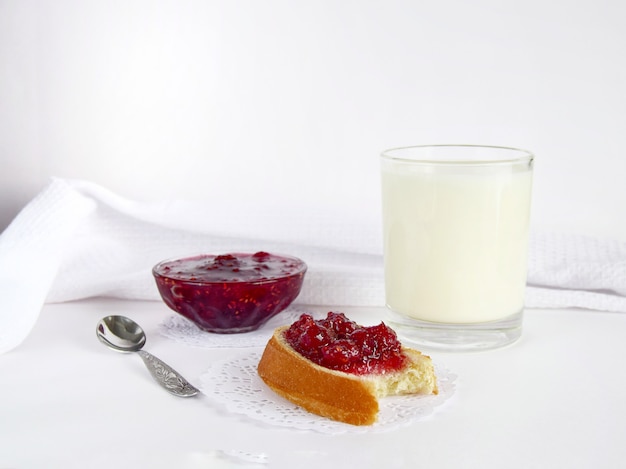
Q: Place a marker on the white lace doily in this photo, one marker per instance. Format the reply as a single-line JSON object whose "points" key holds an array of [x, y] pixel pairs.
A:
{"points": [[181, 329], [234, 385]]}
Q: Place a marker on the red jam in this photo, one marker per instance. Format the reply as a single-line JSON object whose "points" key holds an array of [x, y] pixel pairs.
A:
{"points": [[229, 293], [340, 344]]}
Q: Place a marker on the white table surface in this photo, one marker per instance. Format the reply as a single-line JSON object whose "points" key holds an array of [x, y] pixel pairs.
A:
{"points": [[553, 399]]}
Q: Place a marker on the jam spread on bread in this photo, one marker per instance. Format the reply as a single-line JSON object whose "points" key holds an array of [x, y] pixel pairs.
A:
{"points": [[338, 343], [335, 368]]}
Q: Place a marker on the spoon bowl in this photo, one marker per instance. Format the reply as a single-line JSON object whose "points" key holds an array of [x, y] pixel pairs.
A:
{"points": [[121, 333], [125, 335]]}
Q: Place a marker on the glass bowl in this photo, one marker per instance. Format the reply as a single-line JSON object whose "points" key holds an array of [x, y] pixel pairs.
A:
{"points": [[230, 293]]}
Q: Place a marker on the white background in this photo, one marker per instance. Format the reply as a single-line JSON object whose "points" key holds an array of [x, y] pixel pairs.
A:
{"points": [[284, 101], [290, 102]]}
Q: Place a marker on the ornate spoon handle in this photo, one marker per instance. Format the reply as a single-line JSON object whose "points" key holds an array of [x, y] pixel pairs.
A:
{"points": [[167, 376]]}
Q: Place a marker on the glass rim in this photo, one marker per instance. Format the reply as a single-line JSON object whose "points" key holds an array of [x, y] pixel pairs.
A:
{"points": [[523, 156]]}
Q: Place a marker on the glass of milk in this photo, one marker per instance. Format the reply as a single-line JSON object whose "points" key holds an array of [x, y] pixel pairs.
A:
{"points": [[455, 230]]}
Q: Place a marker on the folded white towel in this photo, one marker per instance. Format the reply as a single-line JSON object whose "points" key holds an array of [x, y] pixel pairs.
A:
{"points": [[576, 271], [78, 240]]}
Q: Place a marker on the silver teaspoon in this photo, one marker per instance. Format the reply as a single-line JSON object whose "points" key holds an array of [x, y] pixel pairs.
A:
{"points": [[125, 335]]}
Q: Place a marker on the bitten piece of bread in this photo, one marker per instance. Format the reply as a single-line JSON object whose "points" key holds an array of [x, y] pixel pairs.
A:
{"points": [[341, 396]]}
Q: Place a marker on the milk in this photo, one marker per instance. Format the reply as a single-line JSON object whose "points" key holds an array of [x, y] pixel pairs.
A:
{"points": [[455, 240]]}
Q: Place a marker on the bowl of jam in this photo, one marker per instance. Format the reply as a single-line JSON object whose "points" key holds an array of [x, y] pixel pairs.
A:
{"points": [[230, 293]]}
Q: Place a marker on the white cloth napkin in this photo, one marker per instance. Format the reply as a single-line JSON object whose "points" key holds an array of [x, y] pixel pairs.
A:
{"points": [[576, 271], [78, 240]]}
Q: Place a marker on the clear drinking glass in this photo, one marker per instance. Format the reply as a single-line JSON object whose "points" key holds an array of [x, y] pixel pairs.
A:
{"points": [[456, 222]]}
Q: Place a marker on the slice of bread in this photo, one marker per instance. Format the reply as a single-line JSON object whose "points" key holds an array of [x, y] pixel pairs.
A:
{"points": [[338, 395]]}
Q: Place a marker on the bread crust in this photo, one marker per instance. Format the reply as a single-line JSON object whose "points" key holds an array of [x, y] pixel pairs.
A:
{"points": [[335, 394]]}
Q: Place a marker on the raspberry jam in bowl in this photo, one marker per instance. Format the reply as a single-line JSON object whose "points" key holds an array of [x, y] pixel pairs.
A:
{"points": [[230, 293]]}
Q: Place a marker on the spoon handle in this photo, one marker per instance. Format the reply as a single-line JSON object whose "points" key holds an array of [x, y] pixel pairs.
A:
{"points": [[166, 376]]}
